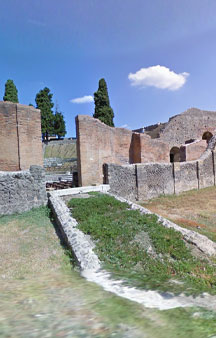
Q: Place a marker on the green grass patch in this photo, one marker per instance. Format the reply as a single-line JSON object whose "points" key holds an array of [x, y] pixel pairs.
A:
{"points": [[114, 228]]}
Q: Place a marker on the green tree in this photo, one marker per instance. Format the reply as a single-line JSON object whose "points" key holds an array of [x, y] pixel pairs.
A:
{"points": [[59, 123], [103, 111], [44, 103], [11, 92]]}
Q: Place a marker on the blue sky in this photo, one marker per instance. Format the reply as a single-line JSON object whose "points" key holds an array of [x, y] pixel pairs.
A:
{"points": [[69, 45]]}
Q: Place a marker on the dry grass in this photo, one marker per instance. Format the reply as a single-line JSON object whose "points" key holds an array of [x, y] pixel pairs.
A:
{"points": [[194, 210], [61, 150], [41, 296]]}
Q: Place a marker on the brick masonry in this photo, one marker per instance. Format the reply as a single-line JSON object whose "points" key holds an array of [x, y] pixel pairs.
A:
{"points": [[98, 143], [192, 151], [20, 137]]}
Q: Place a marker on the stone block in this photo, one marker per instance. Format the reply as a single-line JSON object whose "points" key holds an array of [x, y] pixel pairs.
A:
{"points": [[186, 176], [154, 179]]}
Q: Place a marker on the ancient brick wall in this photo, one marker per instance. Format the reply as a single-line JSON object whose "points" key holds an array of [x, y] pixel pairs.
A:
{"points": [[192, 151], [22, 190], [20, 137], [153, 150], [98, 143], [9, 155]]}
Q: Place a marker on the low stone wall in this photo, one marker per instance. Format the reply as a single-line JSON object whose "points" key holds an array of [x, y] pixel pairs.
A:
{"points": [[154, 179], [117, 175], [145, 181], [22, 190], [185, 176]]}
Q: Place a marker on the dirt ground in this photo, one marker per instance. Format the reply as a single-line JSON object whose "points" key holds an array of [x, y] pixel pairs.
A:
{"points": [[195, 210]]}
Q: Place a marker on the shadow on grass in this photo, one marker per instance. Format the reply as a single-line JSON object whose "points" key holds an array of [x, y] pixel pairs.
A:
{"points": [[63, 240]]}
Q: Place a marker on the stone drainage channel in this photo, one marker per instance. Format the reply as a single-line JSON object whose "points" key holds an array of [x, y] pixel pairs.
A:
{"points": [[91, 269]]}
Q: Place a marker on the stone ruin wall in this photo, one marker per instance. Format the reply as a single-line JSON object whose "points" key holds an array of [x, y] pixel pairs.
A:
{"points": [[20, 137], [22, 180], [145, 181], [137, 166], [189, 125], [98, 144], [22, 190]]}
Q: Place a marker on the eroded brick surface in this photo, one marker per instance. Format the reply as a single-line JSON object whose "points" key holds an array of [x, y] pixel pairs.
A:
{"points": [[20, 137]]}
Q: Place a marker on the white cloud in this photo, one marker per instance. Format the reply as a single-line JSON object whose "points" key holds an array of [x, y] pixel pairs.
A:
{"points": [[126, 126], [84, 99], [159, 77]]}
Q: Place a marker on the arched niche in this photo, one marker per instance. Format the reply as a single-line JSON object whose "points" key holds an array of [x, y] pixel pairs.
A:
{"points": [[175, 154], [207, 135]]}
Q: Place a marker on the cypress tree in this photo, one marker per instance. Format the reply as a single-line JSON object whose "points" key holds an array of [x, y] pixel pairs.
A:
{"points": [[59, 124], [103, 111], [11, 92], [44, 103]]}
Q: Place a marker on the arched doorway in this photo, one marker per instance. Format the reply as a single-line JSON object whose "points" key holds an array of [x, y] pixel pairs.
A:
{"points": [[207, 136], [175, 154]]}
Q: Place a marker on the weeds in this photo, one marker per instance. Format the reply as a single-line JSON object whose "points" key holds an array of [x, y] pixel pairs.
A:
{"points": [[113, 227]]}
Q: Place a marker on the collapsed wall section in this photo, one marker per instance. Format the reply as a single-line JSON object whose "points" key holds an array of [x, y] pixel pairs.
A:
{"points": [[22, 190]]}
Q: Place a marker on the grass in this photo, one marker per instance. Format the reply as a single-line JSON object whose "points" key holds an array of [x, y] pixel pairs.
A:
{"points": [[195, 210], [41, 295], [120, 236]]}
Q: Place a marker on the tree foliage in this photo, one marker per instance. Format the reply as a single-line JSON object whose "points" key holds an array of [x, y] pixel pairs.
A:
{"points": [[11, 92], [59, 124], [44, 103], [103, 111]]}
